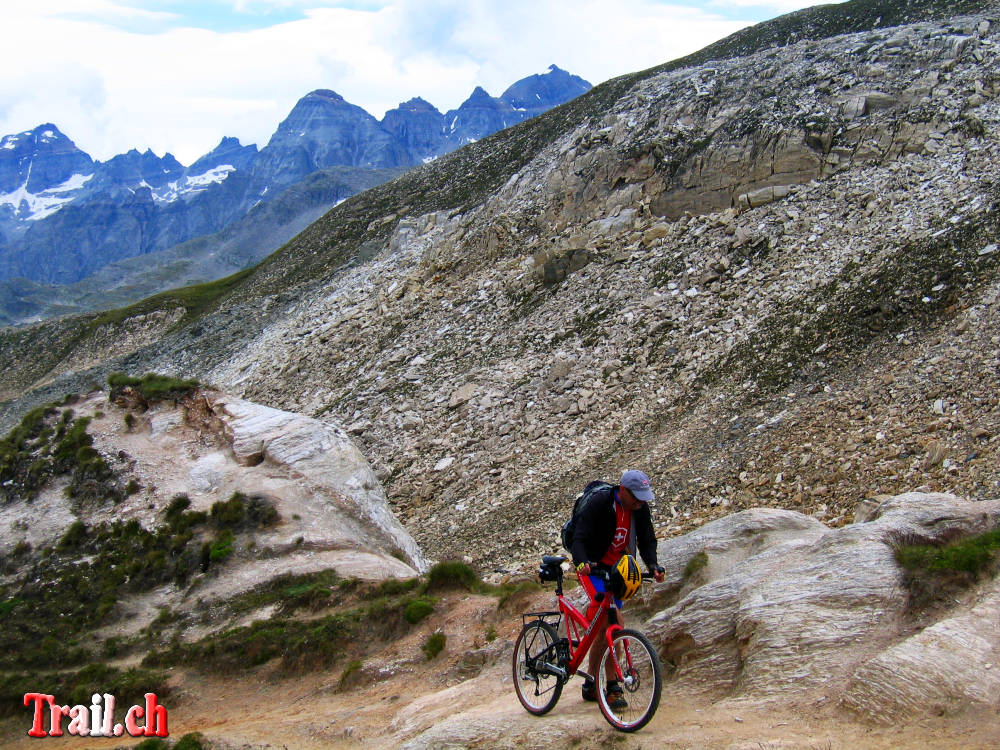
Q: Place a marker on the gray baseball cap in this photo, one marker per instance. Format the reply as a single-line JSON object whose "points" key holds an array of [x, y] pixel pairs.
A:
{"points": [[637, 483]]}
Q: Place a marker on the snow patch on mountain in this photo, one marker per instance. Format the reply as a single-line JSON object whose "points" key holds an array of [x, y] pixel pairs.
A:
{"points": [[34, 206], [192, 183]]}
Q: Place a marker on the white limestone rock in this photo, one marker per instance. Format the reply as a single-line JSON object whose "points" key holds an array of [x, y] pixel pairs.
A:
{"points": [[328, 465], [785, 604]]}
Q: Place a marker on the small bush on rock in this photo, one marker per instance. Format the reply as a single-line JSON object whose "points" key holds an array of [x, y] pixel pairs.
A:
{"points": [[191, 741], [418, 609], [434, 645], [453, 575]]}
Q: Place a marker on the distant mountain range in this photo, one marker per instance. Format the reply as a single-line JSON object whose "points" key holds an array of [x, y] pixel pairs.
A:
{"points": [[78, 234]]}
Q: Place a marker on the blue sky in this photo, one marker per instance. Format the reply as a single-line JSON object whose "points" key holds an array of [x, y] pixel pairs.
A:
{"points": [[178, 75]]}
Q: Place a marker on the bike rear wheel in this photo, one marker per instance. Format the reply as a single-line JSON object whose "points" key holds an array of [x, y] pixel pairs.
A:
{"points": [[537, 689], [641, 686]]}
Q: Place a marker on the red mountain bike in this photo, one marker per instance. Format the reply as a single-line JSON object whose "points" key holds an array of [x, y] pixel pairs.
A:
{"points": [[544, 661]]}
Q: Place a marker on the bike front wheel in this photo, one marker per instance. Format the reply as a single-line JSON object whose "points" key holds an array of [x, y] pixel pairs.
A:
{"points": [[634, 706], [536, 688]]}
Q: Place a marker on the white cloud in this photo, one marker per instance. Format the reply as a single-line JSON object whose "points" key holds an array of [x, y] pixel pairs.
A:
{"points": [[182, 89]]}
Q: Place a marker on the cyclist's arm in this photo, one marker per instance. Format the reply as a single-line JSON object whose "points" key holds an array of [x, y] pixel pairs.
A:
{"points": [[646, 538], [584, 530]]}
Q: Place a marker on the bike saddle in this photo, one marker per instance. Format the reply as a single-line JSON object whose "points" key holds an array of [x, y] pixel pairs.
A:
{"points": [[553, 559]]}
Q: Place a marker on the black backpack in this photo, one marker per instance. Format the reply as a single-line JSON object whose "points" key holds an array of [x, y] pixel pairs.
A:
{"points": [[569, 528]]}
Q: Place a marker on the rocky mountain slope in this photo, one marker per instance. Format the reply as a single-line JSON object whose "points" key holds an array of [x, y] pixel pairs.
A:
{"points": [[65, 218], [518, 342], [241, 244], [818, 323]]}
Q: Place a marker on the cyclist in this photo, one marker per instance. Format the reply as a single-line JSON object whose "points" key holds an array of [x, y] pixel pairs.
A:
{"points": [[615, 521]]}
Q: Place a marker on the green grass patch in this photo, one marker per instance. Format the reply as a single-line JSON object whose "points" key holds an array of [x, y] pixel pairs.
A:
{"points": [[191, 741], [7, 606], [290, 593], [151, 386], [74, 587], [972, 555], [42, 448], [76, 687], [696, 563], [510, 592], [297, 645], [241, 512], [222, 547], [390, 587], [196, 301], [349, 675], [418, 609], [935, 575]]}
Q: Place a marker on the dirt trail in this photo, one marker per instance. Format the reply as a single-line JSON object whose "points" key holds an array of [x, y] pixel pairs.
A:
{"points": [[433, 704], [309, 714]]}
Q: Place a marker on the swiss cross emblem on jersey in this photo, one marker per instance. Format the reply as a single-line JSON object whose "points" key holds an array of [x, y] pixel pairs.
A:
{"points": [[620, 536]]}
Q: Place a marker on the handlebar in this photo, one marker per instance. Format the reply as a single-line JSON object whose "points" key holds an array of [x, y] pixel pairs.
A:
{"points": [[552, 567], [606, 576]]}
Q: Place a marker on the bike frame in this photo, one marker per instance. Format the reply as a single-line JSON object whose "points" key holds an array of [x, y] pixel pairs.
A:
{"points": [[581, 630]]}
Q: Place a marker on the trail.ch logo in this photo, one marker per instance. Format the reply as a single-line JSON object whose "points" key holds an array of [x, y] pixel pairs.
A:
{"points": [[96, 720]]}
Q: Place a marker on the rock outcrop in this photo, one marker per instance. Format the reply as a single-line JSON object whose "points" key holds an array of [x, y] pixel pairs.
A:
{"points": [[779, 604], [942, 670], [347, 506], [333, 512]]}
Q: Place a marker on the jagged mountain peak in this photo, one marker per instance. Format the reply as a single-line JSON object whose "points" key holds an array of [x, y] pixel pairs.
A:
{"points": [[478, 93], [315, 110], [417, 104], [39, 159], [45, 133], [322, 131], [229, 152], [537, 93], [325, 94]]}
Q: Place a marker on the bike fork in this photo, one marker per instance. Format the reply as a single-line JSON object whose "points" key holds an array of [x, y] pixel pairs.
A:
{"points": [[610, 634]]}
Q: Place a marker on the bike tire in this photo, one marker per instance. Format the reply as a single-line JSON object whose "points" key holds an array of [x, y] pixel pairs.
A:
{"points": [[642, 685], [538, 691]]}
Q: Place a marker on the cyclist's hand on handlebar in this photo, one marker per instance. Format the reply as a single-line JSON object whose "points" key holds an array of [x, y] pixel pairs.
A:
{"points": [[583, 568]]}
